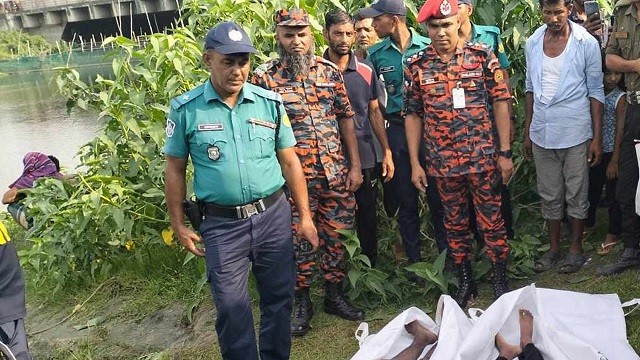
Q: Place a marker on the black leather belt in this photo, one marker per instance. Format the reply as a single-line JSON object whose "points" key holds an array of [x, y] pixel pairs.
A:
{"points": [[242, 211], [395, 118]]}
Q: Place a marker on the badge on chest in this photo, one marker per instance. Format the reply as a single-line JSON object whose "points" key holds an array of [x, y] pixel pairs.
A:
{"points": [[213, 152], [459, 101]]}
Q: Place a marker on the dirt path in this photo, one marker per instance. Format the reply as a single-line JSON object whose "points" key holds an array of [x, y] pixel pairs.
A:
{"points": [[163, 334]]}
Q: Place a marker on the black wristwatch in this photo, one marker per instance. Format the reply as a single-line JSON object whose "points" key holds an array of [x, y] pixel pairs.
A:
{"points": [[507, 154]]}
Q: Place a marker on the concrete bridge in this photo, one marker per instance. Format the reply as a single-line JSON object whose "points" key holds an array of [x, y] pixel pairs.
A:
{"points": [[74, 19]]}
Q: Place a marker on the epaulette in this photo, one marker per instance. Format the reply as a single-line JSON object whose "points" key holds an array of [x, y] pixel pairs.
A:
{"points": [[480, 46], [415, 57], [179, 101], [489, 28], [262, 69], [267, 94]]}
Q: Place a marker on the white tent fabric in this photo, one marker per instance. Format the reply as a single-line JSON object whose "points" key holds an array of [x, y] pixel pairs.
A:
{"points": [[567, 325]]}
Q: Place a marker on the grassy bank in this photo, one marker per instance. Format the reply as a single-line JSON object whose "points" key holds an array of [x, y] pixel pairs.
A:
{"points": [[158, 311]]}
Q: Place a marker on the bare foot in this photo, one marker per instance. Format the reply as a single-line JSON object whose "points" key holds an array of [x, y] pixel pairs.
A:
{"points": [[610, 239], [508, 351], [420, 333], [526, 327]]}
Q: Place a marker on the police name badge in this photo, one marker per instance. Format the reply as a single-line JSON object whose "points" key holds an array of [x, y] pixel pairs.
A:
{"points": [[458, 97], [171, 126], [214, 152], [211, 127]]}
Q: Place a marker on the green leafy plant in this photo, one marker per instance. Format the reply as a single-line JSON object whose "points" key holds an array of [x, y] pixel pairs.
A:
{"points": [[365, 280]]}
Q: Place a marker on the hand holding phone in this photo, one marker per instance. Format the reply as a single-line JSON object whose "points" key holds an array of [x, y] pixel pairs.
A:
{"points": [[591, 7]]}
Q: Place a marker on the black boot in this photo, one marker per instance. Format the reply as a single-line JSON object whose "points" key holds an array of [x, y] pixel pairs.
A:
{"points": [[467, 285], [302, 312], [500, 278], [630, 257], [335, 303]]}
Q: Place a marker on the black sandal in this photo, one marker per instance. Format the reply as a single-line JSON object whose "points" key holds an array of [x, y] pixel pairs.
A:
{"points": [[572, 263], [547, 261]]}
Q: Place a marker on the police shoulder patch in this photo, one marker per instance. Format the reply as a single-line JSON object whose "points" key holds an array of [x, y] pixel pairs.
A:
{"points": [[181, 100], [267, 94], [488, 28]]}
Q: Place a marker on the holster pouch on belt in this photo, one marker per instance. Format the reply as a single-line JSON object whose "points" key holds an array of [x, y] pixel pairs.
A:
{"points": [[193, 211]]}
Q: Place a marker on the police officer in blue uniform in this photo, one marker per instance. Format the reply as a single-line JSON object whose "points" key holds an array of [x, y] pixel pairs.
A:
{"points": [[240, 142]]}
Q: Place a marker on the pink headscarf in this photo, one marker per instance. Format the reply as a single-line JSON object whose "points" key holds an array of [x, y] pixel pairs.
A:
{"points": [[36, 165]]}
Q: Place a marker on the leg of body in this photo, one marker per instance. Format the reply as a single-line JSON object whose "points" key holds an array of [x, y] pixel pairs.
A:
{"points": [[274, 269], [507, 210], [551, 188], [406, 193], [227, 247], [422, 337], [597, 179], [627, 184], [575, 171], [14, 336], [613, 208], [437, 214], [485, 191], [454, 195], [305, 259], [366, 199], [336, 211]]}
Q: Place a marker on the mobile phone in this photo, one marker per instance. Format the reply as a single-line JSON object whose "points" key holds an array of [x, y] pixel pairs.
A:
{"points": [[591, 7]]}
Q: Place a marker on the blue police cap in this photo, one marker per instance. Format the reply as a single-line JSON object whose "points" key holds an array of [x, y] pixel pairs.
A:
{"points": [[379, 7], [228, 38]]}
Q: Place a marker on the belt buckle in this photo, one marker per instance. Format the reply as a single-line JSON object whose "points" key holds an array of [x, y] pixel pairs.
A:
{"points": [[249, 210]]}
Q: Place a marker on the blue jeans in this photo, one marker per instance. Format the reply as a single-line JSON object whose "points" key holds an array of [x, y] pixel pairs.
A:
{"points": [[264, 242]]}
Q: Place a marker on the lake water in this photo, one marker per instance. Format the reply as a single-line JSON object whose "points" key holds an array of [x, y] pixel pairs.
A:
{"points": [[33, 117]]}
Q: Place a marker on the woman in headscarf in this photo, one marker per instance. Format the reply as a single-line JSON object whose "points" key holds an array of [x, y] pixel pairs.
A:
{"points": [[36, 165]]}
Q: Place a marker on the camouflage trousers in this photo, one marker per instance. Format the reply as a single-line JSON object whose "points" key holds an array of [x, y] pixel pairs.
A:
{"points": [[332, 209], [485, 194]]}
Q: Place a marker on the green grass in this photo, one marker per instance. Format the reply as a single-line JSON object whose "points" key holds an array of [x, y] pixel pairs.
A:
{"points": [[141, 292]]}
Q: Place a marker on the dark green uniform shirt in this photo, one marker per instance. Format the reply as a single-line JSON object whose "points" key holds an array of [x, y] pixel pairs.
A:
{"points": [[490, 35], [388, 61], [233, 150]]}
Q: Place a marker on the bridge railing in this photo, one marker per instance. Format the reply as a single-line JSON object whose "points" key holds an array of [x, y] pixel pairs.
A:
{"points": [[38, 5]]}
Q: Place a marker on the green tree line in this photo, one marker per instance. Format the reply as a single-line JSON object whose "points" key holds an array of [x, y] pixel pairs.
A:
{"points": [[115, 211]]}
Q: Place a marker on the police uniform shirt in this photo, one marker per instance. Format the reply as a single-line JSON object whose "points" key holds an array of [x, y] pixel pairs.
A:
{"points": [[11, 281], [232, 149], [490, 35], [388, 61]]}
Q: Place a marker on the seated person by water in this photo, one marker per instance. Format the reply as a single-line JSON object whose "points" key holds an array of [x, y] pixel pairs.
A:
{"points": [[36, 165]]}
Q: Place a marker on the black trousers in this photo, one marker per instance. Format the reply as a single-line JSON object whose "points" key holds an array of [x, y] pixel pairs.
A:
{"points": [[598, 179], [366, 222], [402, 197], [628, 178]]}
